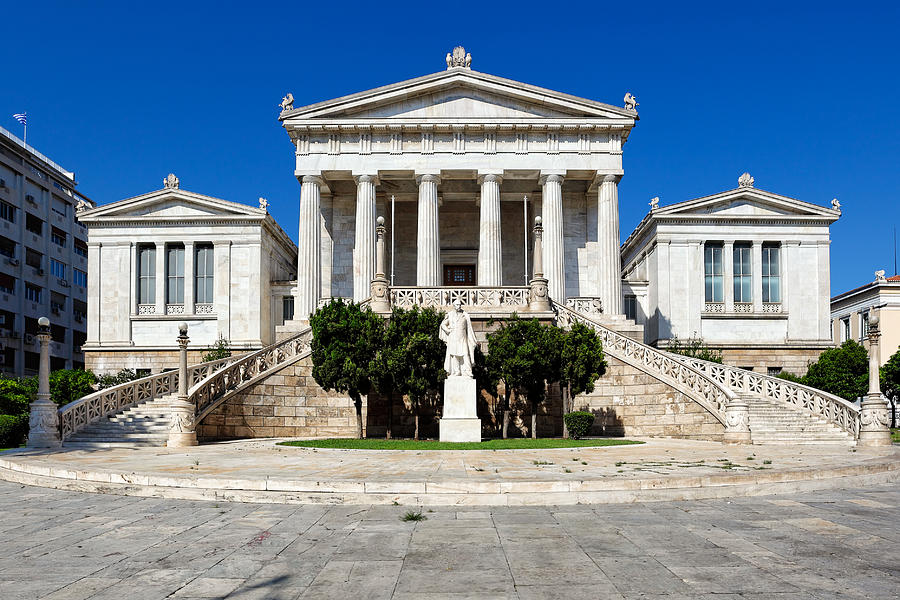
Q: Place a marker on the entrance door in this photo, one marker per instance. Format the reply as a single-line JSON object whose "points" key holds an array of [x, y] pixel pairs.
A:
{"points": [[462, 275]]}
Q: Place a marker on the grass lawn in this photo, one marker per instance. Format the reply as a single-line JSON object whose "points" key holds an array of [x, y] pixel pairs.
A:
{"points": [[508, 444], [895, 435]]}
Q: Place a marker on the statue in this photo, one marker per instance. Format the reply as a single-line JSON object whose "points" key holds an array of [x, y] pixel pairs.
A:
{"points": [[654, 203], [449, 61], [287, 103], [835, 205], [746, 181], [631, 102], [879, 275], [457, 332], [263, 204], [468, 60], [459, 58], [171, 182], [81, 205]]}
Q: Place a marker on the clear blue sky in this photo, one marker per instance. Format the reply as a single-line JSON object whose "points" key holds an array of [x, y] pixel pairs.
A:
{"points": [[804, 96]]}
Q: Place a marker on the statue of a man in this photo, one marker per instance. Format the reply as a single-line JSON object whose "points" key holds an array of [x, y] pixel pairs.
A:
{"points": [[457, 332]]}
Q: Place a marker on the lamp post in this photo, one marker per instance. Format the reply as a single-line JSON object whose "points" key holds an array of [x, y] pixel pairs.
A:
{"points": [[539, 296], [874, 418], [380, 288], [43, 421], [182, 432]]}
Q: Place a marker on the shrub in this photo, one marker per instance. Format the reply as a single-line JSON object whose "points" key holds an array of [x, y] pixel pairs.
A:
{"points": [[16, 393], [790, 377], [13, 429], [694, 348], [842, 371], [68, 385], [579, 423], [123, 376], [217, 351]]}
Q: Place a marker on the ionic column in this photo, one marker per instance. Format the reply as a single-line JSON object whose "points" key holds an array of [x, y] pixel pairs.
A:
{"points": [[364, 250], [490, 259], [610, 271], [428, 258], [554, 258], [309, 248]]}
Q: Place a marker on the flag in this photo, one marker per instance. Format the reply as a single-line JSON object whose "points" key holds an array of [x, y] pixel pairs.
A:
{"points": [[21, 118]]}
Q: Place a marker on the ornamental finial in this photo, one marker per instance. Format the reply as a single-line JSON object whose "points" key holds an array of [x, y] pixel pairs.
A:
{"points": [[459, 58], [746, 181], [654, 203], [171, 182]]}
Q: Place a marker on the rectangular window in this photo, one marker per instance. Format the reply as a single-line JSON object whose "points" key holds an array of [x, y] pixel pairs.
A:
{"points": [[147, 275], [174, 274], [743, 276], [34, 224], [631, 307], [203, 275], [7, 212], [34, 259], [33, 292], [771, 273], [7, 284], [845, 329], [773, 371], [58, 237], [7, 247], [863, 325], [57, 303], [287, 305], [714, 275], [79, 278], [57, 268], [81, 248]]}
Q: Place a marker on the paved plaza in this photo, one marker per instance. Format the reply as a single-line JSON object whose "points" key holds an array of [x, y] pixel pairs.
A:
{"points": [[60, 545]]}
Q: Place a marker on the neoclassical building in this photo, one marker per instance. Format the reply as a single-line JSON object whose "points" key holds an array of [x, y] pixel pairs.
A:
{"points": [[850, 313]]}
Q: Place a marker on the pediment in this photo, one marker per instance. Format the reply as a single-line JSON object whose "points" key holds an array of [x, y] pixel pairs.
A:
{"points": [[458, 94], [171, 204], [745, 203]]}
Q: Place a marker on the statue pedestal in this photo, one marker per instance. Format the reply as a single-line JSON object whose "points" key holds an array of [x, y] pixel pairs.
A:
{"points": [[460, 422]]}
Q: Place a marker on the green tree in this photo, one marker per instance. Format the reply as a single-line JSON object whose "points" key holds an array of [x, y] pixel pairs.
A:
{"points": [[842, 371], [123, 376], [694, 347], [218, 350], [345, 341], [890, 383], [16, 393], [486, 379], [420, 357], [581, 364], [68, 385]]}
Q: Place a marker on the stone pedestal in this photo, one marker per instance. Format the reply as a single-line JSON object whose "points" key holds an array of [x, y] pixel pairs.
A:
{"points": [[737, 421], [874, 422], [182, 433], [460, 422]]}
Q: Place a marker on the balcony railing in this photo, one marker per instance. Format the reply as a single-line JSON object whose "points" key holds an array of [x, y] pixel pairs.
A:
{"points": [[471, 297]]}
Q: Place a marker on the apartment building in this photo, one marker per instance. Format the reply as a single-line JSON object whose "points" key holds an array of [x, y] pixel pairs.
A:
{"points": [[43, 260]]}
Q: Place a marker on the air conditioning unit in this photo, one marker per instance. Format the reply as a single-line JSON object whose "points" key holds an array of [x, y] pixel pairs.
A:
{"points": [[29, 339], [63, 282], [29, 198], [13, 261]]}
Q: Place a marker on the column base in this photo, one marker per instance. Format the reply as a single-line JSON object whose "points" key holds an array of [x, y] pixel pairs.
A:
{"points": [[182, 434], [737, 422], [874, 423], [43, 425]]}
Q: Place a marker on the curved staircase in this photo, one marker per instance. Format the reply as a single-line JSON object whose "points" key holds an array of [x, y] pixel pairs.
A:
{"points": [[145, 424], [779, 423]]}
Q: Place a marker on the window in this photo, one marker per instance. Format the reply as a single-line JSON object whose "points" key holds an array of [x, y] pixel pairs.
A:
{"points": [[203, 275], [845, 329], [58, 333], [34, 259], [7, 247], [174, 274], [714, 277], [57, 268], [146, 275], [7, 212], [863, 325], [743, 279], [57, 303], [33, 292], [631, 307], [773, 371], [7, 284], [771, 273], [34, 224], [79, 277], [81, 248], [58, 237], [58, 206], [79, 310]]}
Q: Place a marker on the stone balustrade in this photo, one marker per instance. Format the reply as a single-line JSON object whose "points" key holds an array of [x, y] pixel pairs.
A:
{"points": [[512, 298]]}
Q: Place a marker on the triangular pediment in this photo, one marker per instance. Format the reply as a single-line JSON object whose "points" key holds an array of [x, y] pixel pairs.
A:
{"points": [[745, 203], [458, 94], [170, 204]]}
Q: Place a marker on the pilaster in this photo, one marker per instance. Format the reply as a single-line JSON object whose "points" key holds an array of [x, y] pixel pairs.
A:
{"points": [[728, 274], [756, 261], [189, 278], [160, 280], [222, 291]]}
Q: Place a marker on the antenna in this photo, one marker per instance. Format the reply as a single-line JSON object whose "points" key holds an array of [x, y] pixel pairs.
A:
{"points": [[895, 250]]}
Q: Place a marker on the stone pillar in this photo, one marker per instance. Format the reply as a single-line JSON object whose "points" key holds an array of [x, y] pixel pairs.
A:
{"points": [[43, 421], [189, 278], [182, 432], [610, 271], [364, 250], [309, 248], [874, 418], [538, 297], [728, 275], [160, 278], [737, 420], [380, 286], [490, 259], [554, 258], [428, 258], [756, 276]]}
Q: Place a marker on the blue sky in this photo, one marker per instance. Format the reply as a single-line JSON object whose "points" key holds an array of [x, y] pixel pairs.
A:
{"points": [[804, 96]]}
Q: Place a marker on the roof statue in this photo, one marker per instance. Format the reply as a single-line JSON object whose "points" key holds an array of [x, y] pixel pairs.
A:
{"points": [[879, 275], [263, 204], [631, 102], [835, 204], [287, 103], [81, 205], [171, 182], [459, 58], [654, 203], [746, 181]]}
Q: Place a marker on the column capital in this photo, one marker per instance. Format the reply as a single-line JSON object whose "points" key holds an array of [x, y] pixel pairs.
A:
{"points": [[317, 179], [490, 178], [428, 178], [551, 177], [366, 178], [608, 178]]}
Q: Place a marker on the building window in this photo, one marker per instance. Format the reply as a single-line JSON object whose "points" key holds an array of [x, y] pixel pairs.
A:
{"points": [[287, 305], [743, 276], [33, 292], [34, 224], [7, 284], [714, 275], [147, 275], [174, 274], [7, 212], [34, 259], [203, 279], [773, 371], [771, 273], [631, 307], [7, 247], [58, 237], [80, 248], [863, 325], [57, 268], [79, 278], [845, 329]]}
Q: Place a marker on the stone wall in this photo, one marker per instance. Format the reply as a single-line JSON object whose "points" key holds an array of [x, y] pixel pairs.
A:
{"points": [[110, 362], [792, 360]]}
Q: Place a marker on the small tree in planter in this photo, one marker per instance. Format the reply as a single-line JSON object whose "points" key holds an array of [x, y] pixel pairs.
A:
{"points": [[578, 423], [345, 341], [581, 364]]}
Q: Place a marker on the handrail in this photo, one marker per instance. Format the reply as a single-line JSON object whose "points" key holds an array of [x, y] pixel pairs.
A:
{"points": [[834, 409], [93, 407], [703, 389], [209, 392], [470, 296]]}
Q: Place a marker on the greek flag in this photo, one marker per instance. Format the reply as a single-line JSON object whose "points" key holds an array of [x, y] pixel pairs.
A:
{"points": [[21, 118]]}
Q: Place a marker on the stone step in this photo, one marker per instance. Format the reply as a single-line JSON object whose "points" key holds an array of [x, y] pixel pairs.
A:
{"points": [[124, 435], [115, 444]]}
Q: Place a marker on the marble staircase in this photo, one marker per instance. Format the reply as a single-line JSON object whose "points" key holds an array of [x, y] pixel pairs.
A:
{"points": [[145, 424], [780, 423]]}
